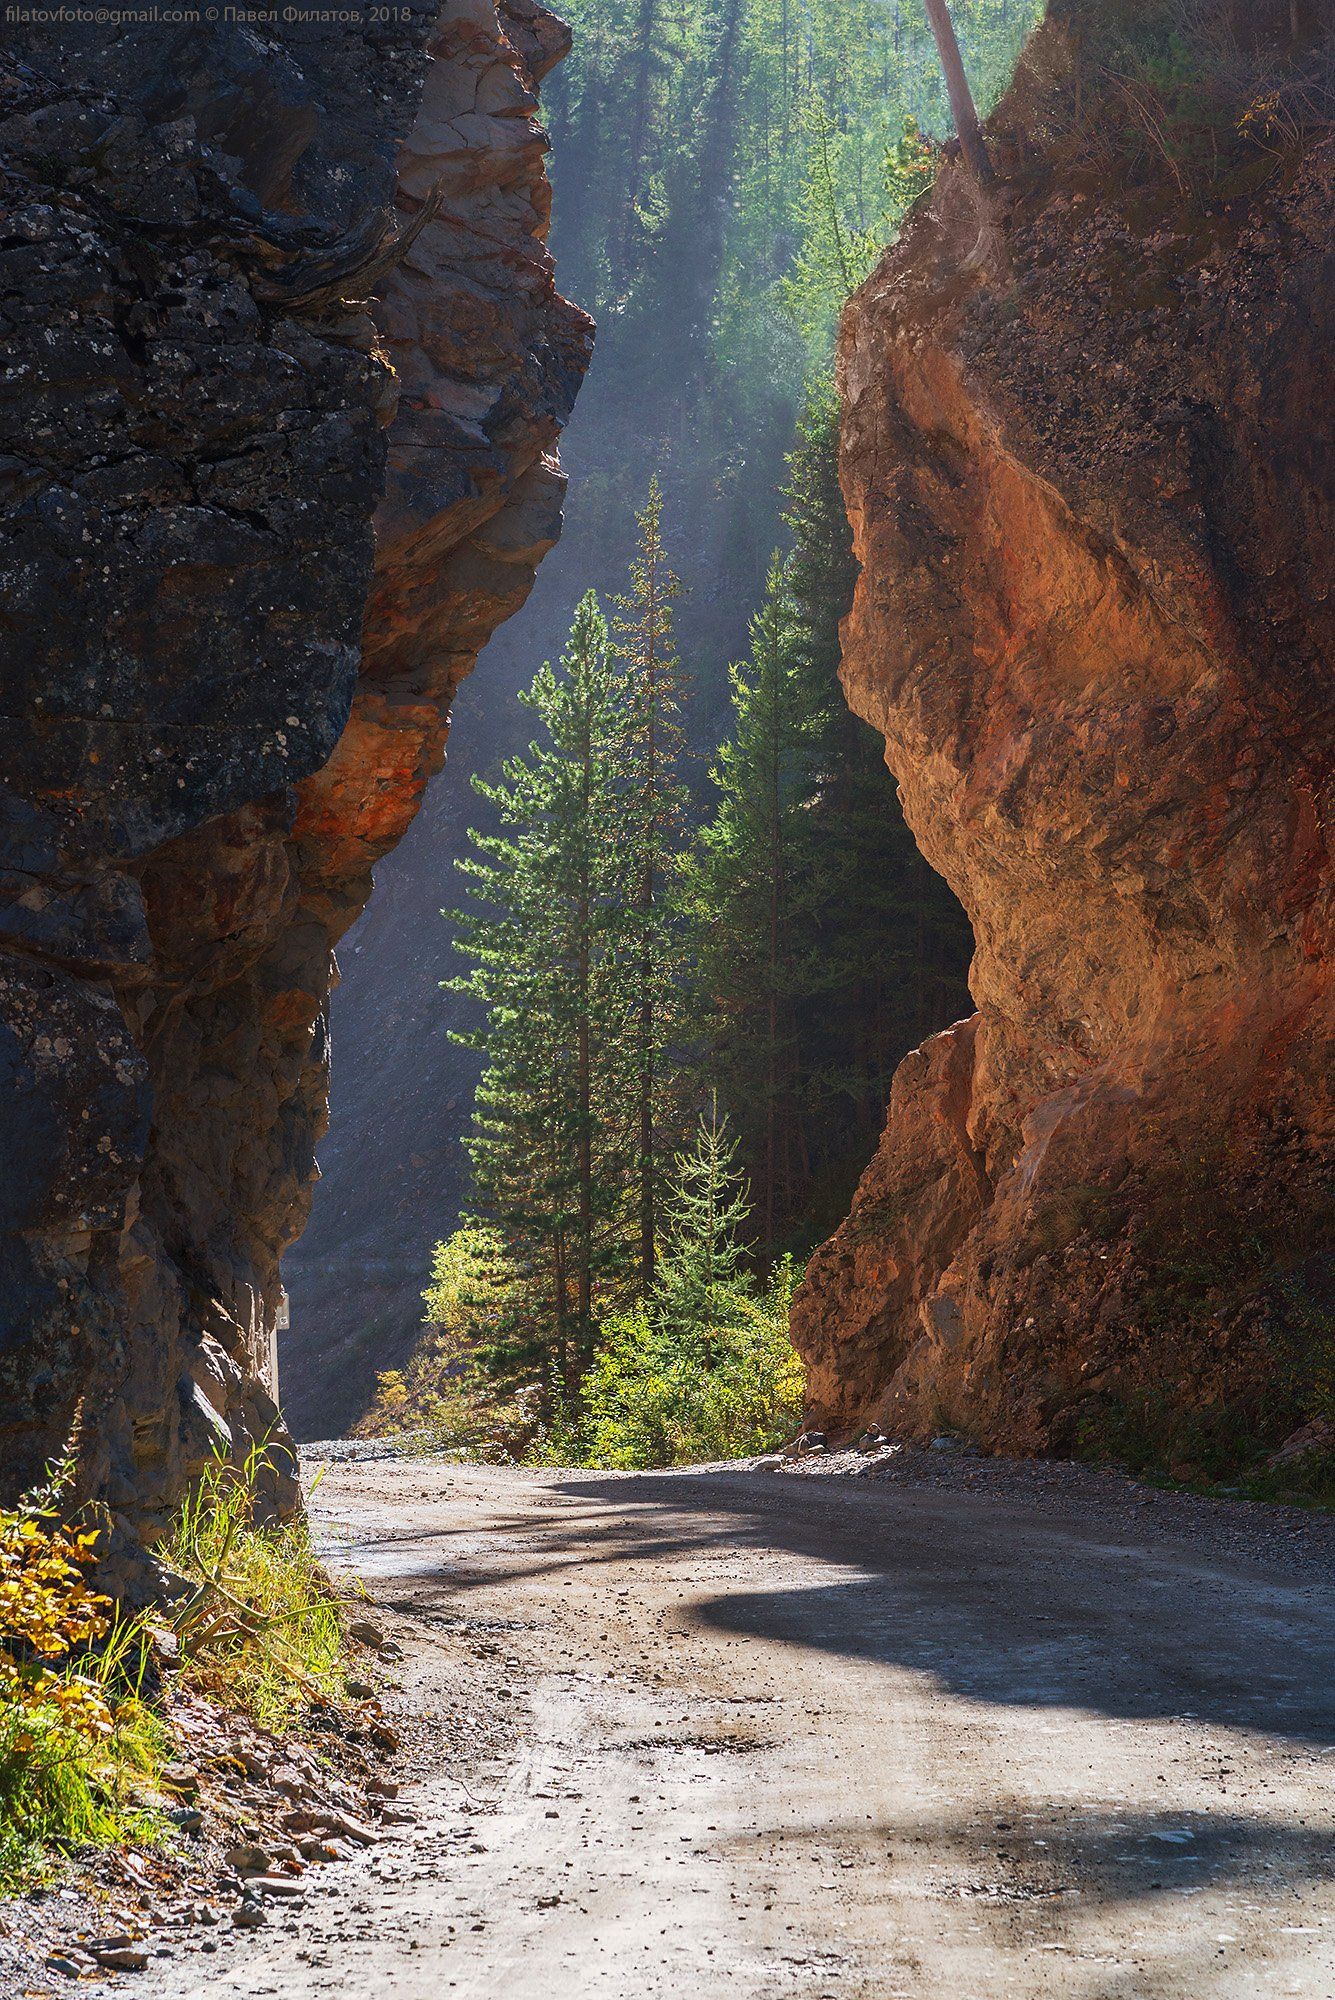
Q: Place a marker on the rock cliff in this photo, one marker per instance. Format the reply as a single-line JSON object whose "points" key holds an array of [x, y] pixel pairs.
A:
{"points": [[285, 370], [1086, 456]]}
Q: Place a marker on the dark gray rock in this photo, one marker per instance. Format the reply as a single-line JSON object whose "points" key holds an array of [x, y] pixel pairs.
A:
{"points": [[220, 703]]}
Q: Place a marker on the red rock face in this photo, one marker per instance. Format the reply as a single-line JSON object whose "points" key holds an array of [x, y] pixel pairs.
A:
{"points": [[1084, 459], [291, 369]]}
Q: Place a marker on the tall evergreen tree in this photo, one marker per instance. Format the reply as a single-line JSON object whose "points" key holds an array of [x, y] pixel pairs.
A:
{"points": [[707, 1211], [828, 945], [962, 107], [545, 934], [653, 690], [752, 857], [891, 946]]}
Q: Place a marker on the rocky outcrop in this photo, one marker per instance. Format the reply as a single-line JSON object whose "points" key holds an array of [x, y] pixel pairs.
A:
{"points": [[1085, 455], [264, 285]]}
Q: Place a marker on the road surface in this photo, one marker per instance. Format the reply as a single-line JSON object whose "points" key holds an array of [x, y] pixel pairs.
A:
{"points": [[778, 1735]]}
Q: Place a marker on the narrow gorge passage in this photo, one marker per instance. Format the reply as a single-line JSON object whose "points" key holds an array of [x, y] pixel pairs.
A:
{"points": [[800, 1735]]}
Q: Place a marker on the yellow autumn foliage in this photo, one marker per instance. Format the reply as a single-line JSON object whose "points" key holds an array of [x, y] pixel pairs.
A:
{"points": [[74, 1735]]}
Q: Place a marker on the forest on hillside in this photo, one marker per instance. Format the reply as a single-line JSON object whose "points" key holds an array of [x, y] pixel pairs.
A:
{"points": [[726, 172], [699, 935]]}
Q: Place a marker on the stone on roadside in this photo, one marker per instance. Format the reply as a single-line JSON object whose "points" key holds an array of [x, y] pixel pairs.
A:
{"points": [[1308, 1440], [247, 1858], [288, 1888]]}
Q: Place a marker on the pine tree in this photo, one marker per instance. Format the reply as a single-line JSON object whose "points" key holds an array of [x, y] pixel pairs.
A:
{"points": [[707, 1211], [751, 857], [703, 1368], [962, 107], [828, 945], [890, 945], [653, 689], [546, 939]]}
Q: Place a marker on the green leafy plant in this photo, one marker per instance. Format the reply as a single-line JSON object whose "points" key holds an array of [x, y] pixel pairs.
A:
{"points": [[77, 1739], [650, 1403]]}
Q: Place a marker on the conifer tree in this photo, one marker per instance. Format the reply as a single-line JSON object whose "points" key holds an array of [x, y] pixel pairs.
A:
{"points": [[752, 855], [707, 1210], [828, 945], [546, 939], [652, 691], [962, 107], [890, 945]]}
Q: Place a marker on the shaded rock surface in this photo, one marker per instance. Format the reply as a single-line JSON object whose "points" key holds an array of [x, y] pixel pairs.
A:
{"points": [[1086, 457], [285, 369]]}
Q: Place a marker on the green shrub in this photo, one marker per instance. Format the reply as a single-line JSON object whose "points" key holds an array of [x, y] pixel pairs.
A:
{"points": [[443, 1397], [737, 1388], [701, 1369], [704, 1368]]}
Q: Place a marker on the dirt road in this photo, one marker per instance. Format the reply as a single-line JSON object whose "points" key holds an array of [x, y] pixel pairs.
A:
{"points": [[789, 1736]]}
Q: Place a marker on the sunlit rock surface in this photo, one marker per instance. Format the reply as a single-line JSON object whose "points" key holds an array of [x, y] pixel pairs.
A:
{"points": [[256, 534], [1086, 454]]}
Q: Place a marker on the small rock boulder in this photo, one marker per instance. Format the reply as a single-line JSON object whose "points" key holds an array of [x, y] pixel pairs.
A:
{"points": [[247, 1858], [1308, 1441]]}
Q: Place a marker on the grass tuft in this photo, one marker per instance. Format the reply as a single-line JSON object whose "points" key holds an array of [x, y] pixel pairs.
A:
{"points": [[261, 1629]]}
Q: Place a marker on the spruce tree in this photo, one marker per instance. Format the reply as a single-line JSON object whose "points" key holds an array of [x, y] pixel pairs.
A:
{"points": [[753, 855], [652, 693], [829, 947], [545, 935], [707, 1211], [890, 945]]}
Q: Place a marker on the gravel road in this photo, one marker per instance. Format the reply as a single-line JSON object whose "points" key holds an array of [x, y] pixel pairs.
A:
{"points": [[778, 1736]]}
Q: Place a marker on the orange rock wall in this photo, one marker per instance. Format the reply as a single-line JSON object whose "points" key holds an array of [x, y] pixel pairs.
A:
{"points": [[1085, 463]]}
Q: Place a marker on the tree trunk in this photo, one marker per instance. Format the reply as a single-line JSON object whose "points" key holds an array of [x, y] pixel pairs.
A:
{"points": [[775, 914], [561, 1302], [585, 1085], [972, 143], [648, 970]]}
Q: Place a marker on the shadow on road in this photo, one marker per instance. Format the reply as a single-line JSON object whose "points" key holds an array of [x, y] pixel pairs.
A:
{"points": [[1009, 1604], [1000, 1603]]}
